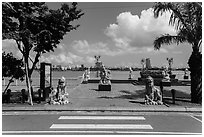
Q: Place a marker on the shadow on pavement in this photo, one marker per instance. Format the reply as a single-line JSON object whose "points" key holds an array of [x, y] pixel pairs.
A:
{"points": [[140, 102], [128, 95], [178, 94], [136, 95], [94, 89]]}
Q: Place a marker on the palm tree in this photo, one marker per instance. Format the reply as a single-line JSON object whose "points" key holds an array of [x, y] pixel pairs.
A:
{"points": [[187, 20]]}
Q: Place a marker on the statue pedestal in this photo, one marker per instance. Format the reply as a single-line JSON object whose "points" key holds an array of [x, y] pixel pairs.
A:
{"points": [[185, 77], [84, 82], [104, 87]]}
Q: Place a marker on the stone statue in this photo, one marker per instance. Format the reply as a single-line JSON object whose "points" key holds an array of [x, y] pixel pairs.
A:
{"points": [[166, 76], [105, 76], [59, 95], [62, 90], [130, 73], [153, 95], [86, 75]]}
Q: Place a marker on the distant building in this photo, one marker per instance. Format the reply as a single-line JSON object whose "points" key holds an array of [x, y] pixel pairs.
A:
{"points": [[148, 64]]}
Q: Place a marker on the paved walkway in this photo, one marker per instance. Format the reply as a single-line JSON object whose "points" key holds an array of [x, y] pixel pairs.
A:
{"points": [[122, 97]]}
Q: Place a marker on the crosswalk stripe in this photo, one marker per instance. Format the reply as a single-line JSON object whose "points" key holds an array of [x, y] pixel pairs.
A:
{"points": [[104, 117], [100, 126]]}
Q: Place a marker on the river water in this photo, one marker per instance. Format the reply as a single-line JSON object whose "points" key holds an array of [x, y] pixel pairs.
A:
{"points": [[73, 78]]}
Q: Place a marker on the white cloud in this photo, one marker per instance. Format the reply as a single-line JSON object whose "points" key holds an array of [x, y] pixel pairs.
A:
{"points": [[67, 59], [177, 52], [151, 50], [90, 60], [83, 47], [121, 47], [62, 58], [61, 46], [134, 31]]}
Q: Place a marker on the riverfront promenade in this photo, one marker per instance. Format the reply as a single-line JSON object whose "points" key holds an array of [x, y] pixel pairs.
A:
{"points": [[122, 97]]}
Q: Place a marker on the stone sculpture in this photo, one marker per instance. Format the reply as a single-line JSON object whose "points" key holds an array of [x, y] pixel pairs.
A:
{"points": [[130, 73], [153, 95], [59, 95], [104, 83], [86, 76], [105, 76], [165, 73]]}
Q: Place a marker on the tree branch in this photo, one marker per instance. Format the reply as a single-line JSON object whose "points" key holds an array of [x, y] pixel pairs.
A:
{"points": [[19, 47], [34, 63]]}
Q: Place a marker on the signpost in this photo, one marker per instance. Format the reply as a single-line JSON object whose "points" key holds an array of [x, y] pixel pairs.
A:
{"points": [[45, 79]]}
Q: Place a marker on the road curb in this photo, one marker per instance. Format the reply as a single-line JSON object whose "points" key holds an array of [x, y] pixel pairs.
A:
{"points": [[181, 109]]}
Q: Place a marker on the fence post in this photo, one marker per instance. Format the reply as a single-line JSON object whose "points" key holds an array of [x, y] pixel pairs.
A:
{"points": [[173, 92], [161, 88], [23, 95], [39, 95], [8, 95]]}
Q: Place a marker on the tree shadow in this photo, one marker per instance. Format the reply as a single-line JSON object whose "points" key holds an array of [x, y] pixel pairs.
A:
{"points": [[136, 96], [140, 102], [128, 95], [178, 94], [94, 89], [106, 97], [132, 95], [169, 100]]}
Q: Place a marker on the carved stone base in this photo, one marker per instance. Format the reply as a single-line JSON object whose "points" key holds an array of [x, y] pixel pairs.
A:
{"points": [[185, 77], [104, 87], [84, 82]]}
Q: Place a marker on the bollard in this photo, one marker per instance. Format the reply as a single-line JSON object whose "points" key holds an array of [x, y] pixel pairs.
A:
{"points": [[173, 92], [161, 88], [39, 95], [16, 82], [23, 95], [8, 95]]}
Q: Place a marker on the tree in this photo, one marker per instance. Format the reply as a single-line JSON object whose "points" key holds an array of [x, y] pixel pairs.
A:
{"points": [[187, 20], [36, 29], [12, 67]]}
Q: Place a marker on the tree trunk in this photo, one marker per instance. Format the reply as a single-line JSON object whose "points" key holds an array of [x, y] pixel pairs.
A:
{"points": [[28, 80], [10, 81], [195, 64], [34, 63]]}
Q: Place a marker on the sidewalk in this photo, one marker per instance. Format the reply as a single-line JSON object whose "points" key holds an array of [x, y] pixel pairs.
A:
{"points": [[122, 98]]}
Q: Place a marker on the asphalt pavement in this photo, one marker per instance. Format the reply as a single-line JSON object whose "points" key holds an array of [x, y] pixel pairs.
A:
{"points": [[101, 124]]}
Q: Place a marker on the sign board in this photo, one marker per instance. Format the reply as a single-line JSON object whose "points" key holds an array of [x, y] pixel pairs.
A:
{"points": [[45, 78]]}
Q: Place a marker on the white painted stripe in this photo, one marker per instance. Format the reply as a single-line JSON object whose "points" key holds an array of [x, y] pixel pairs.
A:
{"points": [[104, 117], [98, 132], [100, 126], [196, 119]]}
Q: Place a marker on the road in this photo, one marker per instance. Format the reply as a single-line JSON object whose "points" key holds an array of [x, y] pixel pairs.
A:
{"points": [[101, 123]]}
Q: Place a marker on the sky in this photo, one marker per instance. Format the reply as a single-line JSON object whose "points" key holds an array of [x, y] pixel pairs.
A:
{"points": [[122, 33]]}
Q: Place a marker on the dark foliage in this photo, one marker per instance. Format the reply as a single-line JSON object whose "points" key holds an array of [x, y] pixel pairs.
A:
{"points": [[12, 67]]}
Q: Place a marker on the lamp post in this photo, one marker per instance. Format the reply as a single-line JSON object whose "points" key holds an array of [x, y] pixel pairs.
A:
{"points": [[143, 63], [97, 64], [170, 62]]}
